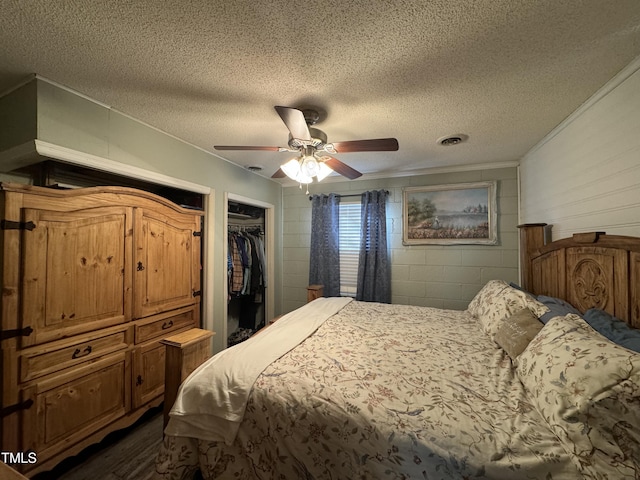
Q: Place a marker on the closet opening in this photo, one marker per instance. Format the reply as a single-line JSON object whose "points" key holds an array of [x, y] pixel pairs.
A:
{"points": [[248, 262], [53, 174]]}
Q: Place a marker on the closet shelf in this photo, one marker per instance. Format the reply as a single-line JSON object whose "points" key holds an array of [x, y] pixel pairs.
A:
{"points": [[240, 215]]}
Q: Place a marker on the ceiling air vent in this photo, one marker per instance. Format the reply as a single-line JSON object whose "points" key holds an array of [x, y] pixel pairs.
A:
{"points": [[452, 139]]}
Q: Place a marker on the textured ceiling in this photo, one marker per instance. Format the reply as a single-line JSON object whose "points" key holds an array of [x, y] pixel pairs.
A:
{"points": [[503, 72]]}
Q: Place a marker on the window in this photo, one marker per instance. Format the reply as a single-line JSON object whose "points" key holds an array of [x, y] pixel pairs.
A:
{"points": [[349, 247]]}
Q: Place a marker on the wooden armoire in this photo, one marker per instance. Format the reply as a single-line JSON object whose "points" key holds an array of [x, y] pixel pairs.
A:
{"points": [[92, 280]]}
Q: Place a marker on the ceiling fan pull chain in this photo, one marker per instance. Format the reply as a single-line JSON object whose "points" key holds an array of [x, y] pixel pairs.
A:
{"points": [[307, 187]]}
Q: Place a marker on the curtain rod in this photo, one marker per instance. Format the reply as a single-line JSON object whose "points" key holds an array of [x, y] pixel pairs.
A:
{"points": [[350, 195]]}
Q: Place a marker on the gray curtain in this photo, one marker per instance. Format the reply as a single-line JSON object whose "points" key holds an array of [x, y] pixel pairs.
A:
{"points": [[374, 270], [324, 265]]}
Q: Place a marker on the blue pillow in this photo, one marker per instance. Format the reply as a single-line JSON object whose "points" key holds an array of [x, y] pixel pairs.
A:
{"points": [[613, 328], [557, 308]]}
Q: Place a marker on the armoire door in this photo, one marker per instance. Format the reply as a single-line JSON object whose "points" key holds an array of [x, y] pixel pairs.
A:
{"points": [[148, 373], [74, 278], [166, 261]]}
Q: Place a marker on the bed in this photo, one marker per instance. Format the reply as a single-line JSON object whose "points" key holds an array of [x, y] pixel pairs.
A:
{"points": [[347, 389]]}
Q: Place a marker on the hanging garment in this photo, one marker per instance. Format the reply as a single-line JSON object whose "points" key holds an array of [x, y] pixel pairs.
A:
{"points": [[247, 264], [256, 282], [237, 277], [262, 260]]}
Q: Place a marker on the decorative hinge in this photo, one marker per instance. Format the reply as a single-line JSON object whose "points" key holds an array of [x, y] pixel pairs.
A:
{"points": [[198, 293], [16, 332], [11, 225], [197, 234], [16, 408]]}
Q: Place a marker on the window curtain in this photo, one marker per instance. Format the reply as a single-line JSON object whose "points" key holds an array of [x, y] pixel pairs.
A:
{"points": [[374, 271], [324, 265]]}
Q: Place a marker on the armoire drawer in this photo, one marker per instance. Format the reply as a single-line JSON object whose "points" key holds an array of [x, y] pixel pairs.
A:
{"points": [[55, 356], [164, 324], [75, 403]]}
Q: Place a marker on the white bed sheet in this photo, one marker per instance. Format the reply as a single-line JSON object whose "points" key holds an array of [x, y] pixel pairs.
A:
{"points": [[211, 402]]}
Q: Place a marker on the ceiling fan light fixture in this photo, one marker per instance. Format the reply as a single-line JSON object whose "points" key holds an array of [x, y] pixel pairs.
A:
{"points": [[309, 166], [323, 171], [302, 169], [302, 178], [292, 169]]}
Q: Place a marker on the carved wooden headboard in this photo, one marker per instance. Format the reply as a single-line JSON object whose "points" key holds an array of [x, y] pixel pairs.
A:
{"points": [[589, 270]]}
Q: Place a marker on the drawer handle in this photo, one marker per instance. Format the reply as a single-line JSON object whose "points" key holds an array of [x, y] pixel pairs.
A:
{"points": [[168, 324], [82, 353]]}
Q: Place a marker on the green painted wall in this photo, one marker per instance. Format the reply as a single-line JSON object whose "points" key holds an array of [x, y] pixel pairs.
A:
{"points": [[18, 116]]}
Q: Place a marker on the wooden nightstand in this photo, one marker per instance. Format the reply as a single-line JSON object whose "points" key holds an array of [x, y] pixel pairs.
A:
{"points": [[314, 291], [184, 353]]}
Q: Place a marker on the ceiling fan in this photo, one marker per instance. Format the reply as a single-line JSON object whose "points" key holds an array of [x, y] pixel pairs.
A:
{"points": [[314, 154]]}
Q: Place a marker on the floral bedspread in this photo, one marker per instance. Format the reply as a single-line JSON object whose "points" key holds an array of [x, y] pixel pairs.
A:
{"points": [[383, 392]]}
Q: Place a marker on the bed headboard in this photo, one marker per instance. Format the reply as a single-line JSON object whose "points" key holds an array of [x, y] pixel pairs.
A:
{"points": [[589, 270]]}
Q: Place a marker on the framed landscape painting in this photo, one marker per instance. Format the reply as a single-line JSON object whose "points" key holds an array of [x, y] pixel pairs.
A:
{"points": [[457, 214]]}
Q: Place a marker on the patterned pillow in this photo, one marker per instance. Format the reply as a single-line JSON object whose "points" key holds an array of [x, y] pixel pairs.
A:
{"points": [[588, 390], [497, 301]]}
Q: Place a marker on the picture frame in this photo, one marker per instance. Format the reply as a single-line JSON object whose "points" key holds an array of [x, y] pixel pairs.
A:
{"points": [[454, 214]]}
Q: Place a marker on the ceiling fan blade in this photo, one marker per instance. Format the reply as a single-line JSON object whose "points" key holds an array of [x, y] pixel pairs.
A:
{"points": [[295, 122], [374, 145], [342, 168], [279, 174], [235, 147]]}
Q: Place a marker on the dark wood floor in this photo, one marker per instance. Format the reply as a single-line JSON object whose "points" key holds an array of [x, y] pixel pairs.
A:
{"points": [[126, 455]]}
